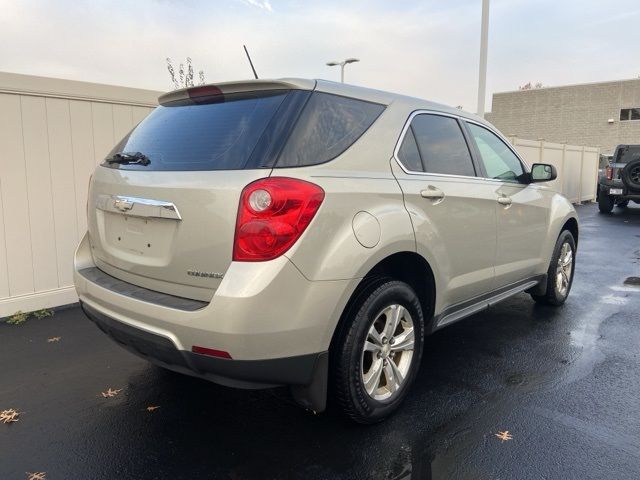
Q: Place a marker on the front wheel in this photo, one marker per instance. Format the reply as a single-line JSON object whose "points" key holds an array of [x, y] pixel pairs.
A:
{"points": [[560, 273], [605, 203], [377, 355]]}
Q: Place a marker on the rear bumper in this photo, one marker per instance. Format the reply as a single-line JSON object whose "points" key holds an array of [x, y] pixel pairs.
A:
{"points": [[274, 323], [298, 370], [627, 193]]}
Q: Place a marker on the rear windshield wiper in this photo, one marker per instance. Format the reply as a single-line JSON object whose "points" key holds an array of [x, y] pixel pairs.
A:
{"points": [[129, 159]]}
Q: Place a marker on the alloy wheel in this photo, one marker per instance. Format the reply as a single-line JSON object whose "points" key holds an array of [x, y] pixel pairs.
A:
{"points": [[387, 352], [564, 269]]}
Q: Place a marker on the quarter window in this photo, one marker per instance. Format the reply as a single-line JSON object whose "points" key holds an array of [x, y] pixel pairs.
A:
{"points": [[498, 159], [436, 144], [328, 126]]}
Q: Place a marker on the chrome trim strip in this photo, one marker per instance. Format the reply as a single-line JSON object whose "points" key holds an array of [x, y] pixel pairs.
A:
{"points": [[458, 117], [137, 207]]}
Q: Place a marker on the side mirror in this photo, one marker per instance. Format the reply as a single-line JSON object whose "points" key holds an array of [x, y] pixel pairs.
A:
{"points": [[543, 172]]}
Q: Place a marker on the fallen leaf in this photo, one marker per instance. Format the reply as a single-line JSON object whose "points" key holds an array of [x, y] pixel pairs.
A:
{"points": [[504, 435], [111, 393], [36, 475], [151, 408], [9, 416], [53, 339]]}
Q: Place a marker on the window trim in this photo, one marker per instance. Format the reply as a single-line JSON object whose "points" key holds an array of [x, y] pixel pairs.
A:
{"points": [[463, 131], [480, 172]]}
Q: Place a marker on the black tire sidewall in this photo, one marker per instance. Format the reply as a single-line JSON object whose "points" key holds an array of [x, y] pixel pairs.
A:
{"points": [[553, 296], [605, 202], [365, 408]]}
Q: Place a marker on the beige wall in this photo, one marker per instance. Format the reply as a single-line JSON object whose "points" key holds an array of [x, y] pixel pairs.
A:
{"points": [[577, 166], [574, 114], [52, 134]]}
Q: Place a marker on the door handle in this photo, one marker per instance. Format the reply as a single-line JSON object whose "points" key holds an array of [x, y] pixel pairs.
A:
{"points": [[504, 200], [432, 193]]}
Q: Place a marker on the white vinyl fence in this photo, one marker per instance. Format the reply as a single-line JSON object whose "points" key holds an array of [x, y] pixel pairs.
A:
{"points": [[52, 134], [577, 166]]}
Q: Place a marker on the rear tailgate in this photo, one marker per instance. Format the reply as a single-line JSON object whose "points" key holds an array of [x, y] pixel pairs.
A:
{"points": [[167, 231]]}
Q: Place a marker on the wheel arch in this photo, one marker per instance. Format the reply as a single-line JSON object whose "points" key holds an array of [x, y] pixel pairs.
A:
{"points": [[572, 226], [407, 266]]}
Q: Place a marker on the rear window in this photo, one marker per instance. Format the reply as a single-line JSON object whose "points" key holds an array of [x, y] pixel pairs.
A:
{"points": [[328, 126], [218, 135], [246, 131]]}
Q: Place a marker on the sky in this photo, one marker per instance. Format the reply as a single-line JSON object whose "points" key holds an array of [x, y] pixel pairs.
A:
{"points": [[428, 48]]}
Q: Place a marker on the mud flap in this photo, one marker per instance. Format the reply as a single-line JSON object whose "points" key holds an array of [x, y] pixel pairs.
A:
{"points": [[314, 396]]}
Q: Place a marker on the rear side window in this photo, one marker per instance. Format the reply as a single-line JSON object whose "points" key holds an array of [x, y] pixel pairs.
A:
{"points": [[328, 125], [441, 146], [219, 133]]}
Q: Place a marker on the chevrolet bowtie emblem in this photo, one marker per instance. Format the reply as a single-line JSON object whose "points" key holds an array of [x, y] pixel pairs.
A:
{"points": [[123, 205]]}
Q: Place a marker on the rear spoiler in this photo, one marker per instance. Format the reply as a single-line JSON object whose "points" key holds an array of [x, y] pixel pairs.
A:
{"points": [[236, 87]]}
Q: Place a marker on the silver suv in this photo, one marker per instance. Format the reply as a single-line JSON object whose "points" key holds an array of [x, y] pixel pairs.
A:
{"points": [[310, 234]]}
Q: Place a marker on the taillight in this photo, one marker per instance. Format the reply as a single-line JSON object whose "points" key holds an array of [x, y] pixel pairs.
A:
{"points": [[609, 173], [272, 214]]}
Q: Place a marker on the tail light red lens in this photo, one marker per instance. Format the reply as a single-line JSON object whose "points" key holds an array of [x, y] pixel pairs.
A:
{"points": [[609, 173], [272, 214]]}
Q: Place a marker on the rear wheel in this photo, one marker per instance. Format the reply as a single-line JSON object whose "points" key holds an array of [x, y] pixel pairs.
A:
{"points": [[605, 203], [631, 174], [560, 273], [377, 355]]}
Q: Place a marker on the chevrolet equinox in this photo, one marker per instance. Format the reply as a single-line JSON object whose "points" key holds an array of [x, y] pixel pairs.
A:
{"points": [[310, 234]]}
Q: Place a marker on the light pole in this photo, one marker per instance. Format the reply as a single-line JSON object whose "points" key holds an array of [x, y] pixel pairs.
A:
{"points": [[342, 64], [484, 40]]}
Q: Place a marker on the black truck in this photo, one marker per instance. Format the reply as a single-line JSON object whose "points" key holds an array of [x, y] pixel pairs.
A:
{"points": [[620, 181]]}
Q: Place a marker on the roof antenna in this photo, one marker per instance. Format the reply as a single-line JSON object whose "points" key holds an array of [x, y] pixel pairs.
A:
{"points": [[250, 62]]}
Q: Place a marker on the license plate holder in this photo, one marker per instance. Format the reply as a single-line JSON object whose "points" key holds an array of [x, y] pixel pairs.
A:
{"points": [[615, 191]]}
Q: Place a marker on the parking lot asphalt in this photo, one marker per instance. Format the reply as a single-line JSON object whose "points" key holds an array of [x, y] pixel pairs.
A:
{"points": [[565, 384]]}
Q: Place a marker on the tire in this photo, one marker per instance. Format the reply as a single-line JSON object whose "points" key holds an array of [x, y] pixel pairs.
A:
{"points": [[373, 310], [623, 204], [605, 203], [556, 294], [631, 174]]}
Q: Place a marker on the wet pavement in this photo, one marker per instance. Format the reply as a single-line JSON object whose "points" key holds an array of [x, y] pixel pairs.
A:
{"points": [[564, 382]]}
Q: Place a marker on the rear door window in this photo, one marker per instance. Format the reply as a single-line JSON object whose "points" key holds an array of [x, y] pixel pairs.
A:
{"points": [[328, 125], [440, 144]]}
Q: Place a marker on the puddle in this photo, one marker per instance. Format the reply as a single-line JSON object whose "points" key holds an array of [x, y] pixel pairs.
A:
{"points": [[613, 300], [516, 379]]}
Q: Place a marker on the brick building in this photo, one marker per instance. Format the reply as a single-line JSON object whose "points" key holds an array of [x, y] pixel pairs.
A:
{"points": [[594, 114]]}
